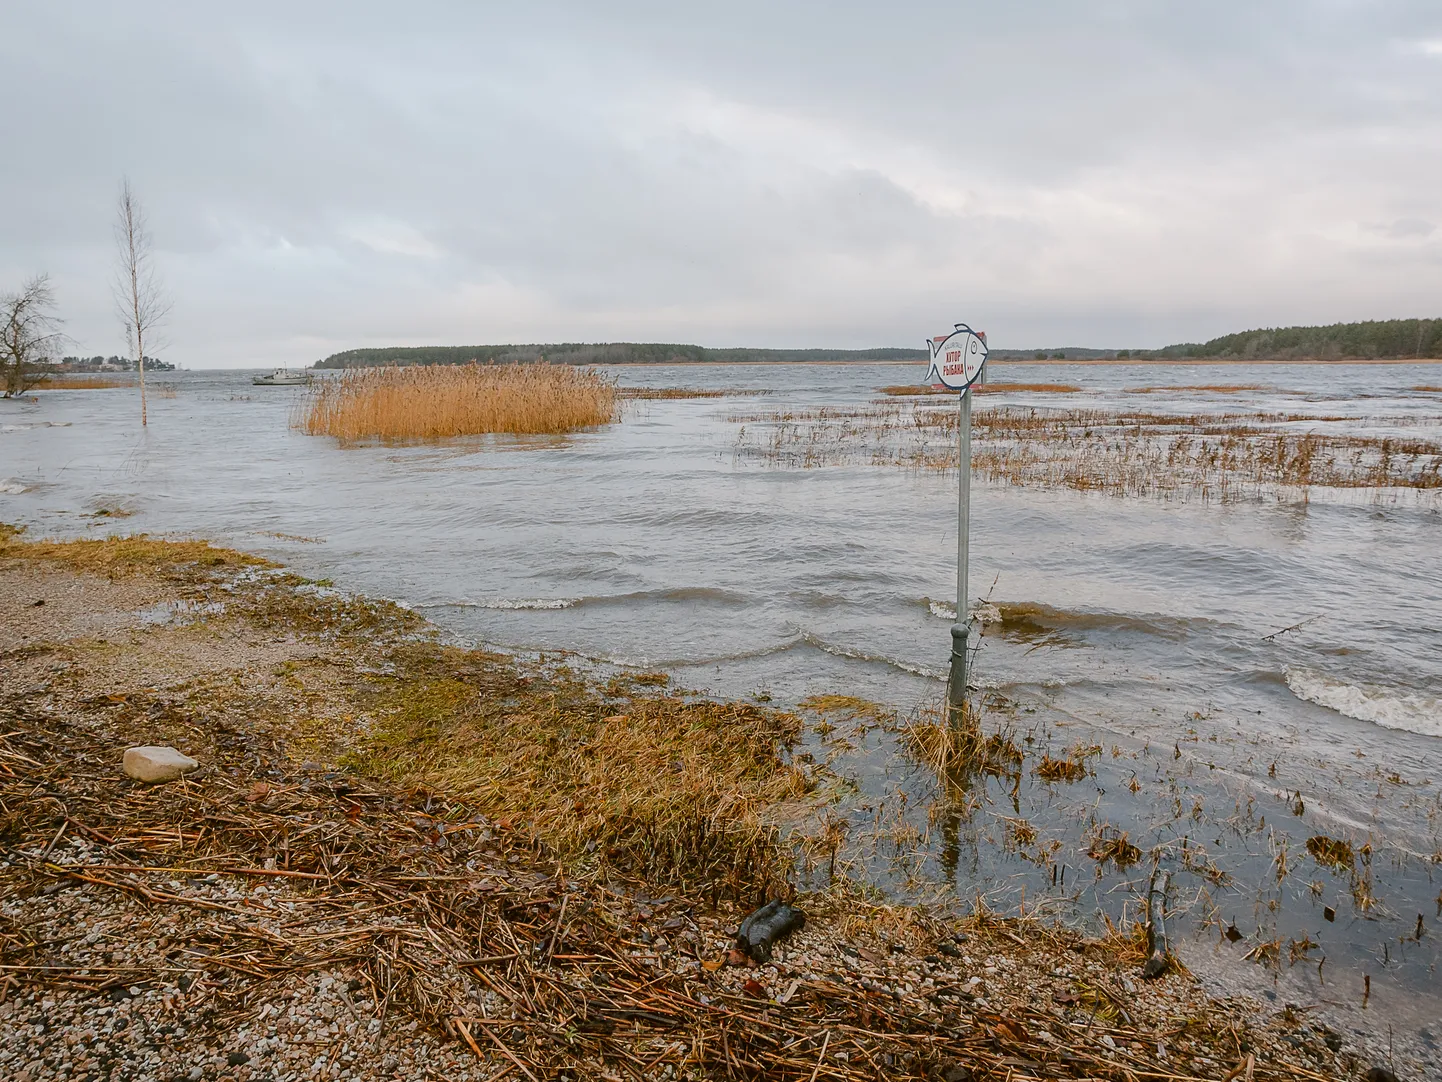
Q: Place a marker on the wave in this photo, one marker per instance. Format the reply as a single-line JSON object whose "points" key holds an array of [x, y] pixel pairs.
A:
{"points": [[507, 603], [1410, 712], [1034, 620], [646, 662], [984, 613], [853, 654], [12, 486], [671, 594], [34, 424]]}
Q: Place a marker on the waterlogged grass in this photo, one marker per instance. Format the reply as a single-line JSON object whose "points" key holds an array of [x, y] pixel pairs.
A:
{"points": [[432, 402], [909, 391], [958, 750], [657, 785], [1120, 452]]}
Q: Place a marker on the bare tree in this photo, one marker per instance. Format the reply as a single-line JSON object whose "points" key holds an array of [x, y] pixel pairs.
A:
{"points": [[30, 334], [138, 295]]}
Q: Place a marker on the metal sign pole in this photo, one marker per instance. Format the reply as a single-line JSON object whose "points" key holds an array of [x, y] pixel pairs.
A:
{"points": [[960, 631], [958, 360]]}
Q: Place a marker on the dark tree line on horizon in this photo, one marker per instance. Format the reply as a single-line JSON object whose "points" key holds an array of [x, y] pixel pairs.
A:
{"points": [[1391, 339], [601, 353], [1388, 339]]}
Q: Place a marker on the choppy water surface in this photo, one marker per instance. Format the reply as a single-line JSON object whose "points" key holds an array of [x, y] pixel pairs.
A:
{"points": [[1143, 628]]}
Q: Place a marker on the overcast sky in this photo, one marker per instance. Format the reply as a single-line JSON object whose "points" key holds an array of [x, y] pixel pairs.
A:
{"points": [[1059, 172]]}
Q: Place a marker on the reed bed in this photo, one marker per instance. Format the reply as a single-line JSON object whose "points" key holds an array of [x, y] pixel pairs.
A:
{"points": [[652, 394], [432, 402], [1121, 452], [1210, 388], [913, 390], [1033, 388], [85, 383]]}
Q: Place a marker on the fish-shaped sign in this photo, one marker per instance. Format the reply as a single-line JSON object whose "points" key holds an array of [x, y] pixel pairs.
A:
{"points": [[956, 358]]}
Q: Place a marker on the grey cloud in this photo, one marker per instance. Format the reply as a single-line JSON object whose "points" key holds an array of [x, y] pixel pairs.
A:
{"points": [[843, 173]]}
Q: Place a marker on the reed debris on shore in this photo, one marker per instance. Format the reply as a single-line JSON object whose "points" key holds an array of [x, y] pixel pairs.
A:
{"points": [[430, 402]]}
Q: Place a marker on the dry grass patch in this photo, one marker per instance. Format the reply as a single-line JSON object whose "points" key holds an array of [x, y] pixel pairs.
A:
{"points": [[117, 556], [428, 402], [655, 785]]}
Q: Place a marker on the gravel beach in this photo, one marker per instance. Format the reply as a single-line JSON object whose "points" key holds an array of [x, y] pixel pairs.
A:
{"points": [[281, 913]]}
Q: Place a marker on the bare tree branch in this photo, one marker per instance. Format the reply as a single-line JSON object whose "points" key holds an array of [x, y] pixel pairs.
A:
{"points": [[138, 297], [29, 334]]}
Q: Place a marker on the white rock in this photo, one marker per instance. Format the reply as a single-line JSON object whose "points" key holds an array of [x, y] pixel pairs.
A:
{"points": [[157, 764]]}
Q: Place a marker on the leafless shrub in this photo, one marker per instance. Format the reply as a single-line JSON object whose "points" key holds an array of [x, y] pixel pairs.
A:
{"points": [[29, 334]]}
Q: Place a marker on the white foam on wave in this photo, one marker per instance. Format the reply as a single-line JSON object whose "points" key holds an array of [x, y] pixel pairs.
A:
{"points": [[34, 424], [983, 612], [516, 603], [1393, 709], [11, 487]]}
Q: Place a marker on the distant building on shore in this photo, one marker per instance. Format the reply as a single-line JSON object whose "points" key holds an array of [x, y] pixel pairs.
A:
{"points": [[110, 364]]}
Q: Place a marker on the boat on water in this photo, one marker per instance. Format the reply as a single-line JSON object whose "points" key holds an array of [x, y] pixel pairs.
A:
{"points": [[282, 377]]}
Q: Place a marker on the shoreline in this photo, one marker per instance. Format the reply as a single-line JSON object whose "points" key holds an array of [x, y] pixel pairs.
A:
{"points": [[209, 914], [1126, 363]]}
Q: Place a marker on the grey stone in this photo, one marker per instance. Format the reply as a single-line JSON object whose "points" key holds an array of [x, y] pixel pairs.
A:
{"points": [[152, 764]]}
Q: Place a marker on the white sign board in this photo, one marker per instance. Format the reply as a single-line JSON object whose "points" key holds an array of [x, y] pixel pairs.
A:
{"points": [[956, 358]]}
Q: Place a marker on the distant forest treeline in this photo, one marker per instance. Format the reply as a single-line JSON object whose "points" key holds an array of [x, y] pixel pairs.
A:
{"points": [[601, 353], [1390, 339]]}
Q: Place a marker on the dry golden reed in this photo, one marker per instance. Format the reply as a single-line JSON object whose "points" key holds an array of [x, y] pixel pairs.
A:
{"points": [[430, 402], [85, 383]]}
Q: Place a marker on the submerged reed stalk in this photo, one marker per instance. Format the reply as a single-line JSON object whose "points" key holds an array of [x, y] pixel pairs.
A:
{"points": [[1225, 456], [428, 402]]}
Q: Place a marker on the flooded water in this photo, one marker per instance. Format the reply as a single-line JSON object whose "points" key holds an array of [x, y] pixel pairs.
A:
{"points": [[1152, 630]]}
